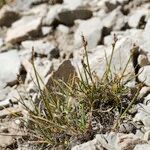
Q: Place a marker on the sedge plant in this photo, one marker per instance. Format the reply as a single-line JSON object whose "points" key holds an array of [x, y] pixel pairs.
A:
{"points": [[67, 110]]}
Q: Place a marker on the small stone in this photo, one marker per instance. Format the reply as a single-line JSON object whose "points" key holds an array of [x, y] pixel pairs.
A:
{"points": [[8, 16], [143, 60], [144, 75], [147, 136], [73, 4], [63, 29], [46, 30], [127, 128]]}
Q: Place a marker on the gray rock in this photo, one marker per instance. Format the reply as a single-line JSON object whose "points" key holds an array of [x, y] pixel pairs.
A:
{"points": [[40, 46], [8, 16], [114, 20], [10, 67], [28, 26], [64, 72], [143, 60], [91, 29], [68, 17], [144, 75]]}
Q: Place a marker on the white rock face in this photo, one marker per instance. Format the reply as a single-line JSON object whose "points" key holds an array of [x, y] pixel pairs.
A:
{"points": [[144, 75], [23, 28], [10, 66], [91, 29]]}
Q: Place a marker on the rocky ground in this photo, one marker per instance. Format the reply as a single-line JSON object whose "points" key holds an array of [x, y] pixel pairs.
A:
{"points": [[54, 29]]}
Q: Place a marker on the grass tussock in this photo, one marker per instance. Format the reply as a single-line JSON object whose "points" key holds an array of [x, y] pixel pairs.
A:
{"points": [[80, 108]]}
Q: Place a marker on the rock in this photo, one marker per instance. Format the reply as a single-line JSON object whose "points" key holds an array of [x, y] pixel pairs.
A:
{"points": [[142, 147], [127, 127], [65, 72], [144, 91], [39, 10], [46, 30], [114, 20], [68, 17], [52, 14], [147, 136], [4, 103], [40, 46], [6, 141], [63, 29], [143, 60], [1, 42], [120, 58], [10, 67], [91, 29], [28, 26], [136, 18], [146, 99], [111, 5], [8, 16], [11, 111], [144, 75], [4, 92]]}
